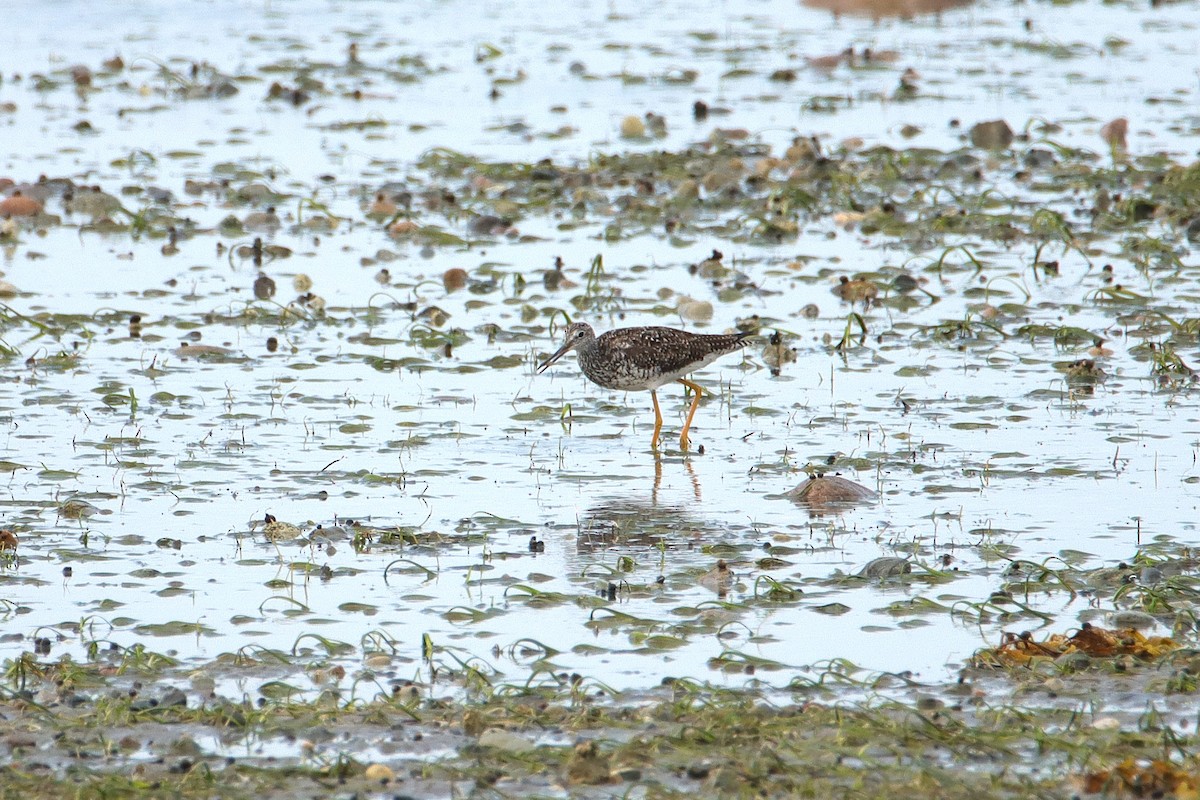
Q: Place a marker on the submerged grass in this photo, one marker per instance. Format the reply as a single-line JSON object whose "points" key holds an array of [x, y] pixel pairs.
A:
{"points": [[956, 742], [136, 723]]}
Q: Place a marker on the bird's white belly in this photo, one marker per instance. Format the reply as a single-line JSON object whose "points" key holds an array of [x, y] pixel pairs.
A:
{"points": [[645, 380]]}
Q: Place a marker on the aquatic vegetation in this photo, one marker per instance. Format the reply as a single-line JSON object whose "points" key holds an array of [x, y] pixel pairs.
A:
{"points": [[310, 276]]}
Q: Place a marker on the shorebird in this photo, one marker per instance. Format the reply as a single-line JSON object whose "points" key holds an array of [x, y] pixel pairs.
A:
{"points": [[640, 359]]}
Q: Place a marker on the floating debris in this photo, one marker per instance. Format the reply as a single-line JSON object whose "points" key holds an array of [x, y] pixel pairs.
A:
{"points": [[1019, 650], [1134, 778]]}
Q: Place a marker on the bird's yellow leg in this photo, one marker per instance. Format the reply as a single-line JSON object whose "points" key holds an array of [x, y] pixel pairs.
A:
{"points": [[657, 420], [698, 392]]}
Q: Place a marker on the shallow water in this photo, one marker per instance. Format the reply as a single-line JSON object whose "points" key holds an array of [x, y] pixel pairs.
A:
{"points": [[978, 445]]}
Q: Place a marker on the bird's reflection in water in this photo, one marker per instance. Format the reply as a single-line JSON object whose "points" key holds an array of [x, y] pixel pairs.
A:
{"points": [[658, 476], [637, 520]]}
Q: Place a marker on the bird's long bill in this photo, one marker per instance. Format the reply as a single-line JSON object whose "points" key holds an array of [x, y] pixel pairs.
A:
{"points": [[562, 351]]}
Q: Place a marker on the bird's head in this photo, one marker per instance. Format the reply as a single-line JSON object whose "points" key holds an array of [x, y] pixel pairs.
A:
{"points": [[576, 334]]}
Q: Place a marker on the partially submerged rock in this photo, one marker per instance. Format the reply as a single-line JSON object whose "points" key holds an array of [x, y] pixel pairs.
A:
{"points": [[19, 205], [885, 567], [992, 135], [831, 490]]}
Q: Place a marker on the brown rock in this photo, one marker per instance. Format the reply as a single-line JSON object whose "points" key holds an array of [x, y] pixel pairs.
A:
{"points": [[831, 490], [19, 206], [992, 135]]}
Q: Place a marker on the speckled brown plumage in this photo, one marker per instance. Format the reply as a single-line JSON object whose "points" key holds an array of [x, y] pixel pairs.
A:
{"points": [[640, 359]]}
